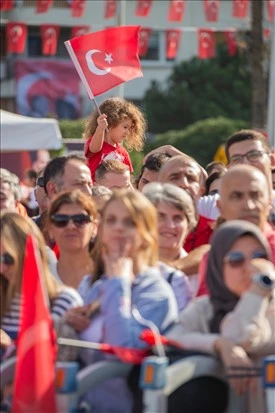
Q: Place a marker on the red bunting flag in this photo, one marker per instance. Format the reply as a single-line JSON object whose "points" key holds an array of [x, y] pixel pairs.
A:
{"points": [[49, 35], [240, 8], [34, 388], [6, 5], [176, 10], [266, 34], [78, 7], [207, 43], [270, 10], [143, 7], [80, 30], [110, 9], [172, 38], [42, 6], [16, 35], [211, 10], [144, 36], [100, 63], [230, 37]]}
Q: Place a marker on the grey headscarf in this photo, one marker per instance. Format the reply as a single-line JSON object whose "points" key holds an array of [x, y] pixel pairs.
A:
{"points": [[222, 299]]}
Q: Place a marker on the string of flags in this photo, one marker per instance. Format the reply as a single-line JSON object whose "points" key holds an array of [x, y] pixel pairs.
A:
{"points": [[175, 12]]}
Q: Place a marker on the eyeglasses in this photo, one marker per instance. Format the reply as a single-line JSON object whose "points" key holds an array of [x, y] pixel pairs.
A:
{"points": [[40, 182], [237, 258], [79, 220], [7, 259], [251, 156]]}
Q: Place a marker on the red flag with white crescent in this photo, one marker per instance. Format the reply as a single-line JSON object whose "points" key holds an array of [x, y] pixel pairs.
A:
{"points": [[270, 10], [240, 8], [110, 9], [144, 37], [207, 43], [49, 35], [100, 63], [42, 6], [80, 30], [143, 7], [78, 8], [16, 35], [6, 5], [172, 38], [230, 37], [176, 10], [211, 10]]}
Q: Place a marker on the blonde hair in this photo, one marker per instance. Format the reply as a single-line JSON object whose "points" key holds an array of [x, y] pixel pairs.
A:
{"points": [[117, 110], [14, 232], [144, 216]]}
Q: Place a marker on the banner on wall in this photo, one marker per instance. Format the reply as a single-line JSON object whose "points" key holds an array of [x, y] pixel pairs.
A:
{"points": [[47, 89]]}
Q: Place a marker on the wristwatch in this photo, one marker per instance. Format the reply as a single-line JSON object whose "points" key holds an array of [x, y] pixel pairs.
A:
{"points": [[264, 281]]}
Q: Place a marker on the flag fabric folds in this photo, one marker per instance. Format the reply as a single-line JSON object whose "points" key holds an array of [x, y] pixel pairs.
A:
{"points": [[80, 30], [211, 10], [34, 388], [172, 42], [110, 9], [106, 59], [240, 8], [16, 35], [144, 37], [143, 8], [42, 6], [78, 7], [176, 10], [49, 35], [207, 43]]}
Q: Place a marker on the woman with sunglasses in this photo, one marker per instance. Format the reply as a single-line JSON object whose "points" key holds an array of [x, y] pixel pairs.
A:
{"points": [[72, 225], [236, 320]]}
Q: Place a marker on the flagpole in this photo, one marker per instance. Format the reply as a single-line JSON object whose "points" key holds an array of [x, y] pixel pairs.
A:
{"points": [[121, 21]]}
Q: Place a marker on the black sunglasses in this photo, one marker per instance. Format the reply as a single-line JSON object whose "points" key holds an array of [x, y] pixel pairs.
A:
{"points": [[40, 181], [7, 259], [79, 220], [237, 258]]}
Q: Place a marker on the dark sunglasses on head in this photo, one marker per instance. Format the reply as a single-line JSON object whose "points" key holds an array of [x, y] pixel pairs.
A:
{"points": [[236, 258], [61, 220], [7, 259], [40, 181]]}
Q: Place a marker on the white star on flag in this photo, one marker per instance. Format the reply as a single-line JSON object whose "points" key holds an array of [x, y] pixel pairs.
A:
{"points": [[108, 58]]}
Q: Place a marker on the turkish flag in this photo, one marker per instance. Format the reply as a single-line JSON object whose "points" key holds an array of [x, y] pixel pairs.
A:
{"points": [[176, 10], [270, 10], [78, 7], [172, 38], [34, 384], [49, 35], [240, 8], [80, 30], [16, 34], [42, 6], [207, 43], [211, 10], [110, 9], [106, 58], [230, 37], [144, 36], [6, 5], [143, 7]]}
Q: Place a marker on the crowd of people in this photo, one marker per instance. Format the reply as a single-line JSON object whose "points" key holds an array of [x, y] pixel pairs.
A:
{"points": [[187, 248]]}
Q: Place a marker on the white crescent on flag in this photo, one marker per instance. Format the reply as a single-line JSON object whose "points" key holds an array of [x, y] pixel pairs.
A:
{"points": [[91, 64]]}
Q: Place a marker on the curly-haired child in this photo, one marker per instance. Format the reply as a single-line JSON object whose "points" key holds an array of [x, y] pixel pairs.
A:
{"points": [[120, 121]]}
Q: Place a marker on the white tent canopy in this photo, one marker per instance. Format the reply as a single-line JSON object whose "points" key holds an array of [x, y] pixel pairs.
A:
{"points": [[22, 133]]}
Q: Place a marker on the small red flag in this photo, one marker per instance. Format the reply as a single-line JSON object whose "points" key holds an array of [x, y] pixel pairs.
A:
{"points": [[144, 36], [266, 33], [172, 42], [230, 37], [106, 59], [49, 35], [143, 8], [270, 10], [240, 8], [110, 9], [16, 34], [42, 6], [207, 43], [6, 5], [176, 10], [34, 388], [211, 10], [78, 7], [80, 30], [150, 338]]}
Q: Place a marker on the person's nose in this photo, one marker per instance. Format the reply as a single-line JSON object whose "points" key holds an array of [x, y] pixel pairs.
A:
{"points": [[184, 184], [249, 203]]}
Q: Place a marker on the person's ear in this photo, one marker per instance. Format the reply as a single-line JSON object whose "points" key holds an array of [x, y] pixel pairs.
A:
{"points": [[272, 159], [51, 189]]}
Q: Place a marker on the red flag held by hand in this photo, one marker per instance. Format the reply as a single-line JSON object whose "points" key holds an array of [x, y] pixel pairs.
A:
{"points": [[42, 6], [16, 34], [80, 30], [144, 36], [49, 34], [172, 42], [240, 8], [176, 10], [207, 43], [230, 37], [78, 7], [211, 10], [143, 7], [110, 9], [34, 388], [101, 63], [150, 338], [6, 5]]}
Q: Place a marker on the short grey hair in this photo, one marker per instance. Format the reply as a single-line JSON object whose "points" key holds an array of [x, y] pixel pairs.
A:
{"points": [[13, 180], [171, 194]]}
